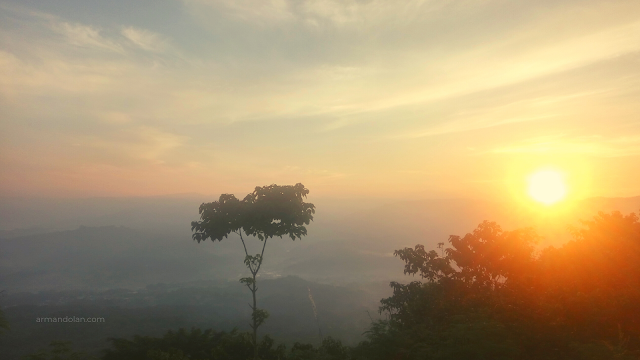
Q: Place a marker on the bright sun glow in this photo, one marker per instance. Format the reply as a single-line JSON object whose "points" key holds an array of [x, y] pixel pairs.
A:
{"points": [[547, 186]]}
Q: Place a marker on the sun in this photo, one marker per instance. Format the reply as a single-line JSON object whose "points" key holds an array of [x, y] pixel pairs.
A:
{"points": [[547, 186]]}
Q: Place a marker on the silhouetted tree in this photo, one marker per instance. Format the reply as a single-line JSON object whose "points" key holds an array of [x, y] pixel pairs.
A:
{"points": [[4, 324], [59, 350], [490, 296], [194, 344], [266, 212]]}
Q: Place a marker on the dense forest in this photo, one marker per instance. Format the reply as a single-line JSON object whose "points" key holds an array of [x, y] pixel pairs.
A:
{"points": [[490, 294]]}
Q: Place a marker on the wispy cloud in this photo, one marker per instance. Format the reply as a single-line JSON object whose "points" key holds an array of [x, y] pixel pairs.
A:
{"points": [[247, 10], [592, 145], [133, 145], [86, 36], [466, 125], [145, 39], [321, 13]]}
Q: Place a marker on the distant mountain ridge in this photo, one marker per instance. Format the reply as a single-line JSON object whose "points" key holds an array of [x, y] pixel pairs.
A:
{"points": [[8, 234], [99, 258], [111, 257], [354, 246]]}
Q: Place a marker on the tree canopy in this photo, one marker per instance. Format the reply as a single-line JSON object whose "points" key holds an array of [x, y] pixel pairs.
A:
{"points": [[266, 212], [491, 296]]}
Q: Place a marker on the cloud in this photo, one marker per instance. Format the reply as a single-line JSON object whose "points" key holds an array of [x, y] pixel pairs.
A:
{"points": [[561, 145], [468, 125], [86, 36], [247, 10], [145, 39], [129, 37], [320, 13], [134, 145]]}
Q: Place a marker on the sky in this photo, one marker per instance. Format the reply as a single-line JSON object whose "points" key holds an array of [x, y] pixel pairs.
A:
{"points": [[397, 99]]}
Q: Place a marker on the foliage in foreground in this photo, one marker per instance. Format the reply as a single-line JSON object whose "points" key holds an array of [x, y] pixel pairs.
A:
{"points": [[196, 344], [489, 296], [58, 350], [4, 324]]}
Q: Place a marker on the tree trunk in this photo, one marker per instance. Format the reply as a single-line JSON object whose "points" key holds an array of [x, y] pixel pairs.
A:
{"points": [[255, 320]]}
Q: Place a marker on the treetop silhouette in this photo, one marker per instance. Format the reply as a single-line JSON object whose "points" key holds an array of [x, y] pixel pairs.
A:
{"points": [[267, 212]]}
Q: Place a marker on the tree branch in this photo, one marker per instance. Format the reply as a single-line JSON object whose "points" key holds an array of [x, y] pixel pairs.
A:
{"points": [[262, 253], [239, 232]]}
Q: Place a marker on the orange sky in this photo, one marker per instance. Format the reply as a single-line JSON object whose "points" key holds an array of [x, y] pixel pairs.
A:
{"points": [[373, 98]]}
